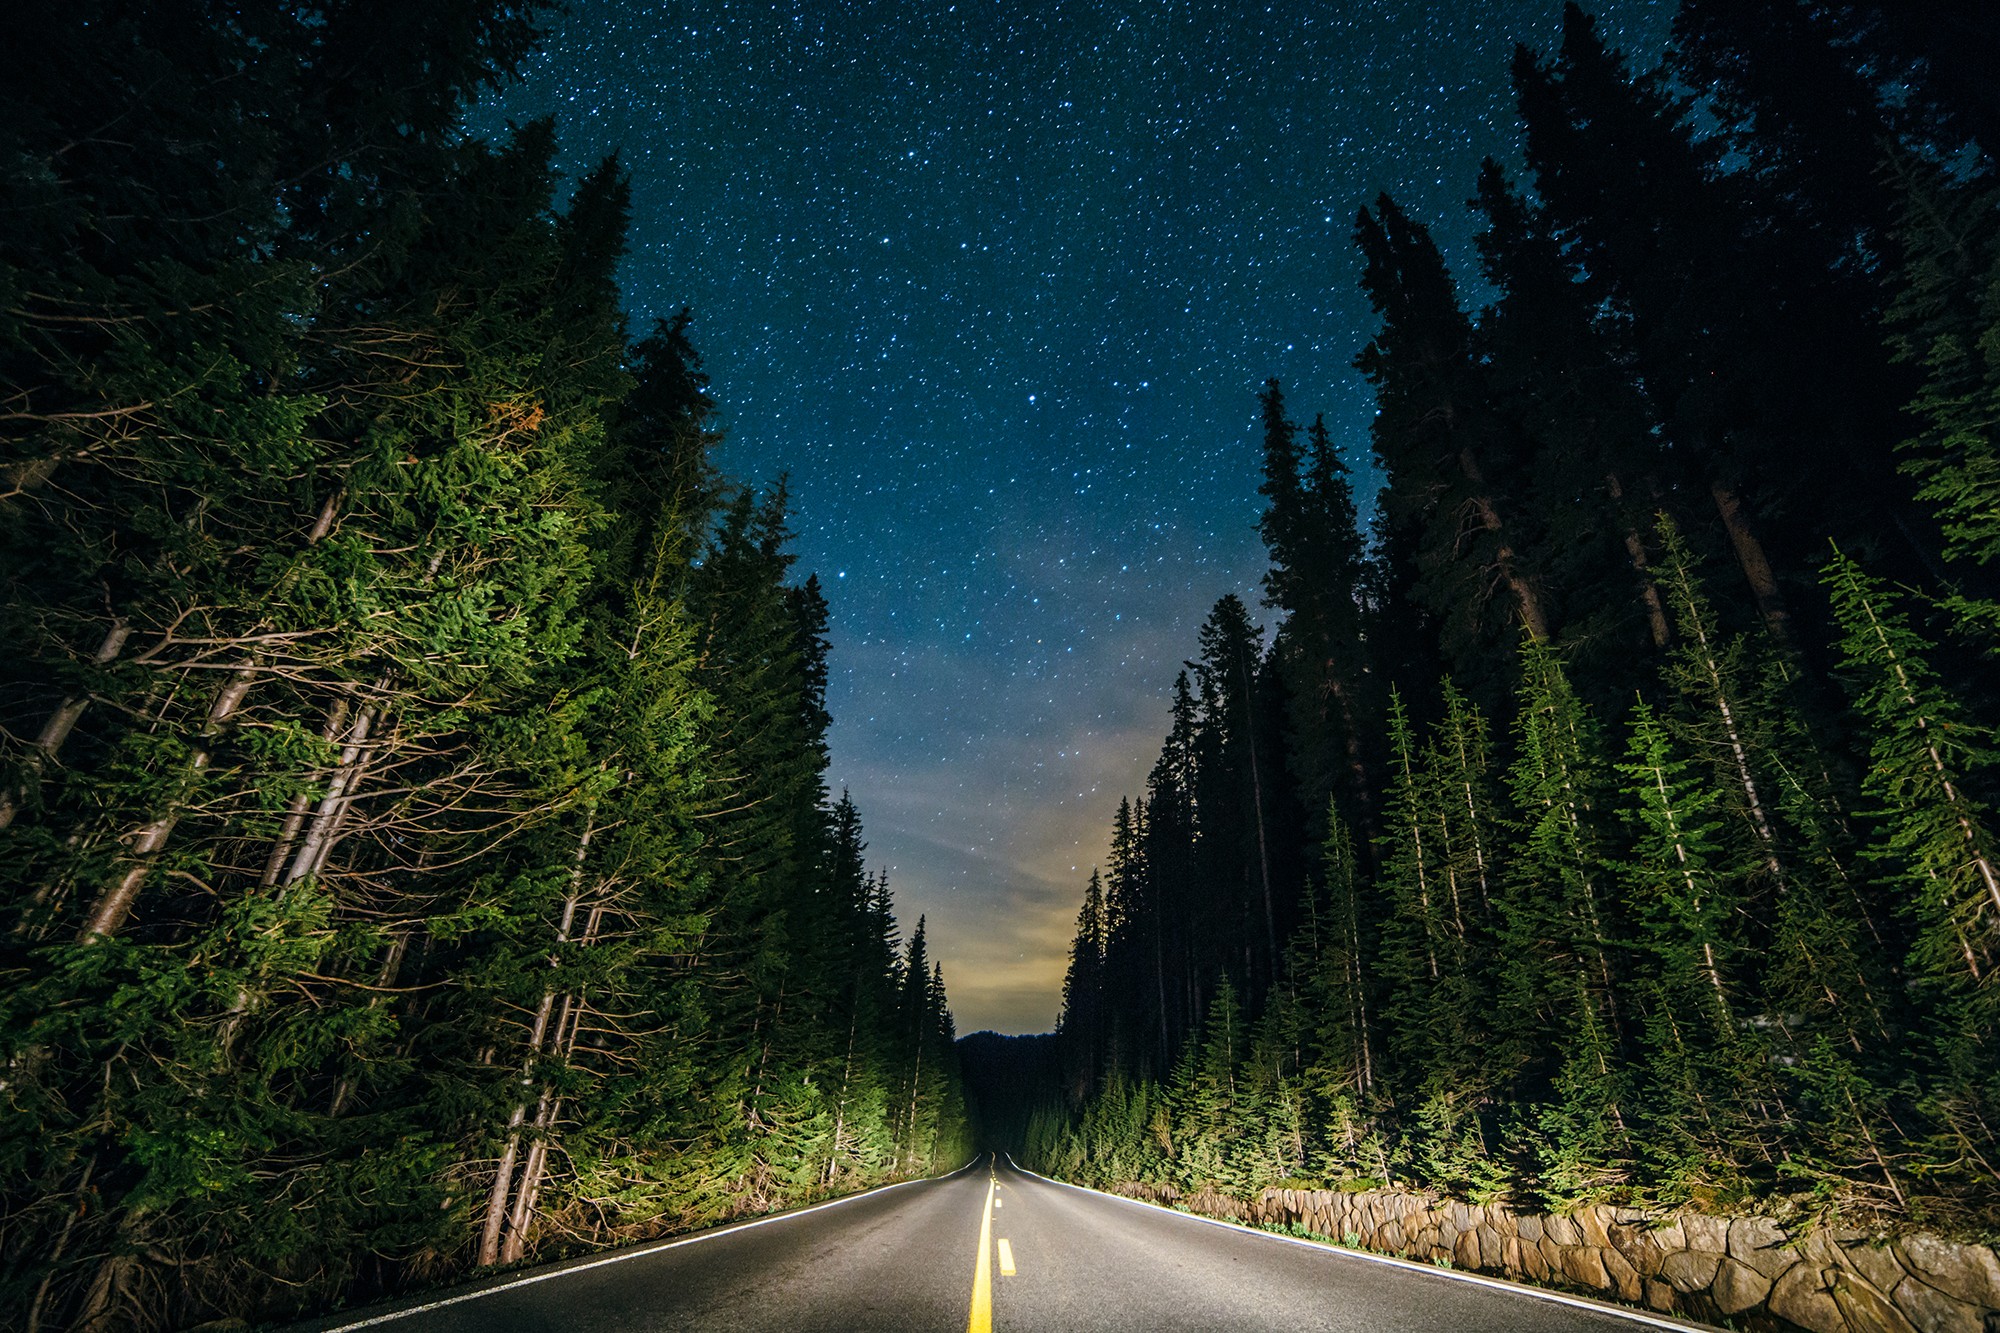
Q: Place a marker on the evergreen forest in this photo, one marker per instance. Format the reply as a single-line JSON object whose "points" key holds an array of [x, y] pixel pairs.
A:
{"points": [[1613, 817], [415, 848]]}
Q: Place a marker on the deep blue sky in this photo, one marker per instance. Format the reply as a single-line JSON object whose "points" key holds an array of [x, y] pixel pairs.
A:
{"points": [[996, 284]]}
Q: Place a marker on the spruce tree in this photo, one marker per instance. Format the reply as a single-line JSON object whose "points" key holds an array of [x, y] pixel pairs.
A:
{"points": [[1935, 844], [1556, 948], [1310, 530], [1711, 1111], [1084, 997]]}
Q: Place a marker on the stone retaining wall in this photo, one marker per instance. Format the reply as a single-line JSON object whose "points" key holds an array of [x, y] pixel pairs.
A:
{"points": [[1747, 1270]]}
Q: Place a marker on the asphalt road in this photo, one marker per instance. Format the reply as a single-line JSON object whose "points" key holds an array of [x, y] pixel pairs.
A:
{"points": [[911, 1258]]}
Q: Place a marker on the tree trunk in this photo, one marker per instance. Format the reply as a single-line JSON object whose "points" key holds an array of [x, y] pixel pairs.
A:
{"points": [[1756, 565], [1357, 765], [1257, 808], [523, 1212], [76, 1210], [295, 814], [502, 1192], [1635, 550], [503, 1185], [1525, 596], [1358, 991], [108, 914], [916, 1085], [319, 835], [61, 722], [846, 1079]]}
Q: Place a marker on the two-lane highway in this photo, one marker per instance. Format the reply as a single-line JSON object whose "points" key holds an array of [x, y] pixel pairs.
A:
{"points": [[991, 1247]]}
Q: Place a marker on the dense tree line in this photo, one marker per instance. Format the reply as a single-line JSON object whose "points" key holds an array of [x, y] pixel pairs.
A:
{"points": [[1614, 819], [414, 842]]}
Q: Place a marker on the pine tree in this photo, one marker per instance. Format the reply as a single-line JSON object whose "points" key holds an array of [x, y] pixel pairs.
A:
{"points": [[1169, 851], [1419, 959], [1204, 1097], [1936, 846], [1321, 649], [379, 904], [1237, 789], [1134, 980], [1942, 321], [1578, 1134], [1434, 873], [1460, 767], [1787, 840], [1084, 997], [1555, 942], [1712, 1112], [1331, 966]]}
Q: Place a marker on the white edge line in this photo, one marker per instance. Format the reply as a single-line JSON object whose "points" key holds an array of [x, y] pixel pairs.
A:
{"points": [[1325, 1247], [637, 1252]]}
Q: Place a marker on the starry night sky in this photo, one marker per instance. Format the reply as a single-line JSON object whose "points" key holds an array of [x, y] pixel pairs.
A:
{"points": [[996, 284]]}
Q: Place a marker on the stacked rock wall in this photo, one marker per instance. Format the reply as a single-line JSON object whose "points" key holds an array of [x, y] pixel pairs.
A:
{"points": [[1748, 1270]]}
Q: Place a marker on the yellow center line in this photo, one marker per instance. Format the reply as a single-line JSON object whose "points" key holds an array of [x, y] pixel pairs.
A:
{"points": [[1006, 1258], [980, 1320]]}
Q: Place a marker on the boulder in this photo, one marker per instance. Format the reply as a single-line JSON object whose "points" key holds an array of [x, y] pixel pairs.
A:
{"points": [[1705, 1233], [1636, 1248], [1866, 1309], [1690, 1270], [1592, 1222], [1970, 1273], [1389, 1237], [1561, 1230], [1659, 1295], [1738, 1287], [1877, 1263], [1510, 1255], [1534, 1263], [1465, 1253], [1802, 1296], [1624, 1277], [1933, 1311], [1489, 1245], [1529, 1226], [1758, 1242], [1647, 1257], [1585, 1267]]}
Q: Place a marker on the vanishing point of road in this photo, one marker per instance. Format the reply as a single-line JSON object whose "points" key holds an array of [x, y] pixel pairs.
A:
{"points": [[989, 1247]]}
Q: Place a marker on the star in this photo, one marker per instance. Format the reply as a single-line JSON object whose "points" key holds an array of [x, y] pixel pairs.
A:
{"points": [[891, 223]]}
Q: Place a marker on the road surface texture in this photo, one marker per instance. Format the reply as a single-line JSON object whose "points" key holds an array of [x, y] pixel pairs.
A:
{"points": [[991, 1247]]}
